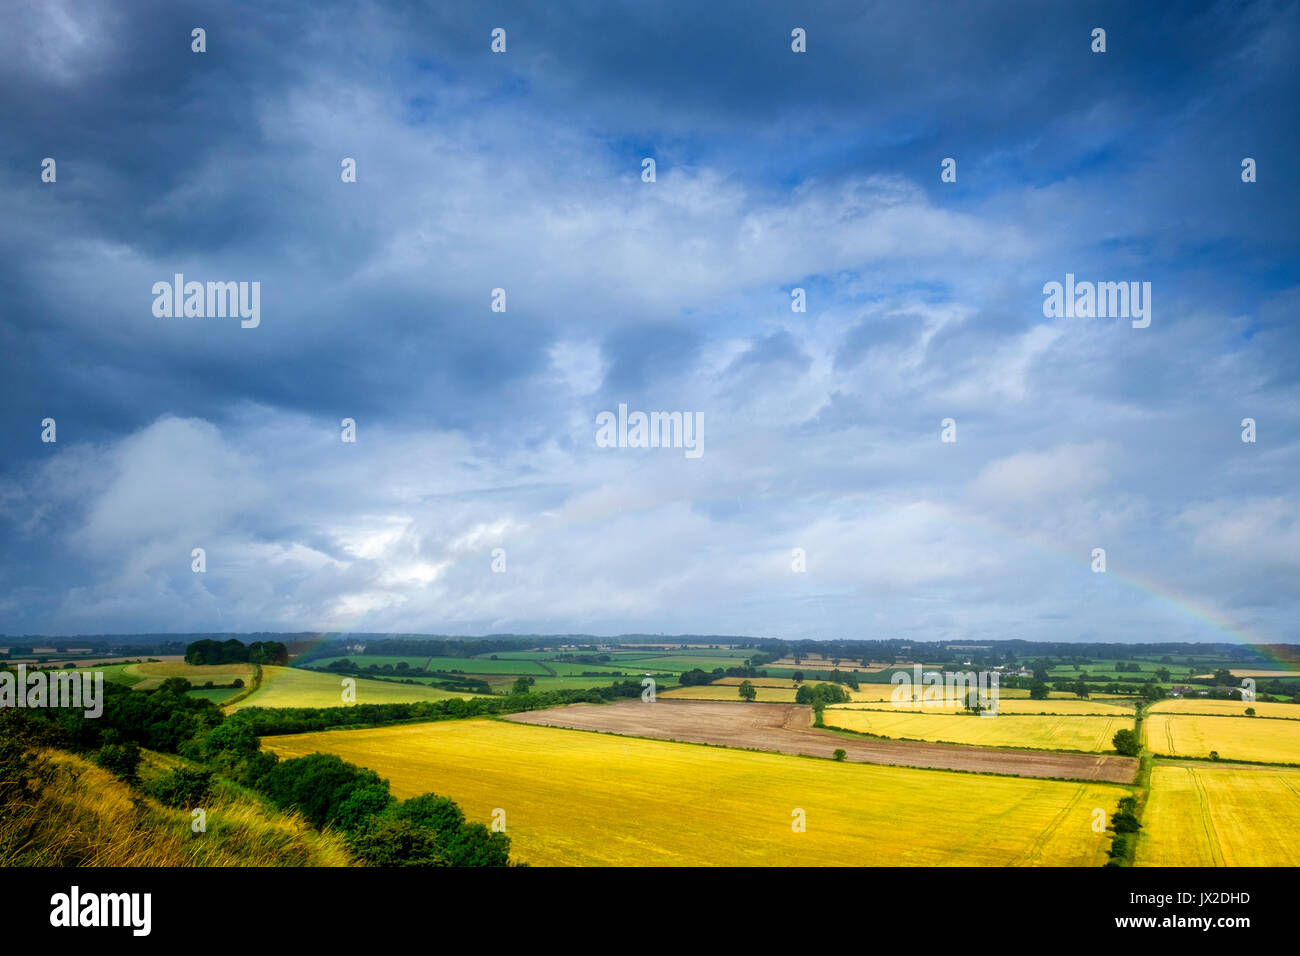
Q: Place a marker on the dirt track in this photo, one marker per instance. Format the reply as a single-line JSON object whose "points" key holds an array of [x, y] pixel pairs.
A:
{"points": [[787, 728]]}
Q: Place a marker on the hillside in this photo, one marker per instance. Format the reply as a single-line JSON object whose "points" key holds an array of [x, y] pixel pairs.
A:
{"points": [[57, 809]]}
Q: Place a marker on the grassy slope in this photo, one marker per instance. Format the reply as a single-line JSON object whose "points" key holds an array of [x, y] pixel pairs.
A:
{"points": [[81, 815]]}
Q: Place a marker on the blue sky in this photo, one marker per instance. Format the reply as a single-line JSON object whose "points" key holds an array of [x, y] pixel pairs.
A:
{"points": [[775, 170]]}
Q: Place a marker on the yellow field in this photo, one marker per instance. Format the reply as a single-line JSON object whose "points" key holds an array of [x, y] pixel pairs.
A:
{"points": [[1212, 815], [153, 673], [767, 695], [1014, 705], [756, 681], [774, 690], [576, 798], [1235, 738], [291, 687], [1227, 707], [768, 691], [1042, 733]]}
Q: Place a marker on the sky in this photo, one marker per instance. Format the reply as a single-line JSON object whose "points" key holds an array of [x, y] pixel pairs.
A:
{"points": [[825, 502]]}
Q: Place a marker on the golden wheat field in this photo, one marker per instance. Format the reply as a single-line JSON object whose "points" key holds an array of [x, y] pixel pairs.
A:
{"points": [[1212, 815], [1224, 707], [577, 798], [765, 694], [293, 687], [1071, 707], [1234, 738], [1091, 734]]}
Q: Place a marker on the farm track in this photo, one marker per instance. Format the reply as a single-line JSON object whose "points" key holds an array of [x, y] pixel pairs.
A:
{"points": [[1212, 841], [787, 728]]}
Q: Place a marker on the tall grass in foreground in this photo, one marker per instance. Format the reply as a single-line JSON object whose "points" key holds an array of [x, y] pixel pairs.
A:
{"points": [[73, 813]]}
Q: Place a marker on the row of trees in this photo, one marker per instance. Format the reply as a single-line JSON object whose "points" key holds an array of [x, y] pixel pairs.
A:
{"points": [[208, 651]]}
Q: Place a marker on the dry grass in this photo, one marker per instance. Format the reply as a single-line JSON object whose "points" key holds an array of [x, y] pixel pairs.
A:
{"points": [[79, 814]]}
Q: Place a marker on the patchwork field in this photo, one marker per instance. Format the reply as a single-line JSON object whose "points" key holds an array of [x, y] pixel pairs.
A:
{"points": [[292, 687], [1233, 738], [1048, 733], [1225, 708], [574, 798], [787, 728], [1216, 815]]}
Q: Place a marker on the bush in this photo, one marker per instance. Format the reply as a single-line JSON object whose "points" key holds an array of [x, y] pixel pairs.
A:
{"points": [[1127, 743], [385, 841], [840, 754], [119, 755], [182, 788]]}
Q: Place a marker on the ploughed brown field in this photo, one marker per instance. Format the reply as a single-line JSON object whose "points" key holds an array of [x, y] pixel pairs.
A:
{"points": [[787, 728]]}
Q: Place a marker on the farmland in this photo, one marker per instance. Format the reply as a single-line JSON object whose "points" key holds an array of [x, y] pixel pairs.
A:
{"points": [[1048, 733], [292, 687], [153, 673], [1065, 707], [1203, 814], [1235, 708], [1260, 739], [574, 798], [786, 728]]}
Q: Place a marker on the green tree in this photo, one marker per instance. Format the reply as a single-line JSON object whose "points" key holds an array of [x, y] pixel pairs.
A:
{"points": [[747, 690], [1250, 711], [840, 754], [798, 677], [1039, 690], [521, 685], [1127, 743]]}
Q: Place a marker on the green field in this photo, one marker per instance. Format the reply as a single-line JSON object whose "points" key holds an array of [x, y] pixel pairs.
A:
{"points": [[293, 687], [572, 798]]}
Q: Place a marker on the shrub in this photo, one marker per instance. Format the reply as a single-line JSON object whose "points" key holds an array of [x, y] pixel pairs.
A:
{"points": [[119, 755], [840, 754], [182, 788], [1127, 743]]}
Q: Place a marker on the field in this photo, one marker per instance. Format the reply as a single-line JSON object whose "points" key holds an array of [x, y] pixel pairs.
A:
{"points": [[574, 798], [1214, 815], [1234, 738], [1015, 705], [1047, 733], [787, 728], [767, 695], [1236, 708], [152, 674], [292, 687]]}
